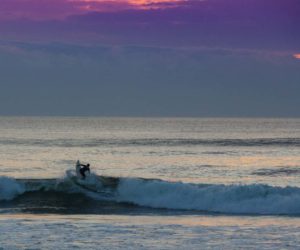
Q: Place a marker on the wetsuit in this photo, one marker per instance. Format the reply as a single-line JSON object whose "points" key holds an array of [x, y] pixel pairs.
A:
{"points": [[84, 169]]}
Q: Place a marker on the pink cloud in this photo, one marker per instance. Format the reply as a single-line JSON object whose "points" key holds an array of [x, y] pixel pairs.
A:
{"points": [[59, 9], [270, 25]]}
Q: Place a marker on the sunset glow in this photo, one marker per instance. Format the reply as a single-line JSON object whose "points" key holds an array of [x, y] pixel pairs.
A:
{"points": [[136, 2], [60, 9], [297, 56], [100, 5], [137, 124]]}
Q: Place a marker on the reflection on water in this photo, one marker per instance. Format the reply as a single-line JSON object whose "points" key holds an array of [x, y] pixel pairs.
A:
{"points": [[153, 148], [148, 232]]}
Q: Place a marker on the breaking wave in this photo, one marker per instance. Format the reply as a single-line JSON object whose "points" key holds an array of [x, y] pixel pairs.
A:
{"points": [[10, 188], [253, 199]]}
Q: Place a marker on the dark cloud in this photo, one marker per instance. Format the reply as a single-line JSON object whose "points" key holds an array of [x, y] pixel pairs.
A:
{"points": [[254, 24], [194, 58], [251, 24], [65, 79]]}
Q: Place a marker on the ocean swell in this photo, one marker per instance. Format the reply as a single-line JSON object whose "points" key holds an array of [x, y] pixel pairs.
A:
{"points": [[232, 199], [170, 142], [253, 199]]}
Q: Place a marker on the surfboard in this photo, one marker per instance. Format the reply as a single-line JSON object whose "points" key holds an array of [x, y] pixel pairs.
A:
{"points": [[97, 184], [92, 188]]}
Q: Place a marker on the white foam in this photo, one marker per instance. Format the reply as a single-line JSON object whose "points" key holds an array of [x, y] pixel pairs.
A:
{"points": [[231, 199], [10, 188], [235, 199]]}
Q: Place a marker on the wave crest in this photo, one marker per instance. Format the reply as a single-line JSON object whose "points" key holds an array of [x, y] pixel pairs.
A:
{"points": [[232, 199], [10, 188], [253, 199]]}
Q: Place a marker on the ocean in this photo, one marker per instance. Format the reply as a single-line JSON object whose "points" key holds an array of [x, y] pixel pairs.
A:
{"points": [[155, 183]]}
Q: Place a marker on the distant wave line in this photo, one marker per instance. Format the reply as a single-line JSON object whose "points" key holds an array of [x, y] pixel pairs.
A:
{"points": [[253, 142]]}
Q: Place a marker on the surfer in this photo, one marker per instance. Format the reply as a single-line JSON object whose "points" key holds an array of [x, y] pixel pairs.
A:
{"points": [[83, 169]]}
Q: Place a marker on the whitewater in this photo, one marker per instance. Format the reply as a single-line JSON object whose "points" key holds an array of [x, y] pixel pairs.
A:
{"points": [[255, 199], [156, 183]]}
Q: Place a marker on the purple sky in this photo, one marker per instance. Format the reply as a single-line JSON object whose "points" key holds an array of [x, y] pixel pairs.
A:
{"points": [[253, 24], [192, 58]]}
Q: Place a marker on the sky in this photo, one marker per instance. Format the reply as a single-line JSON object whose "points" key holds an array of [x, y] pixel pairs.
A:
{"points": [[190, 58]]}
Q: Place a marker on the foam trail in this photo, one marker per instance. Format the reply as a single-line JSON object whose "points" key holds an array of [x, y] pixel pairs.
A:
{"points": [[10, 188], [232, 199]]}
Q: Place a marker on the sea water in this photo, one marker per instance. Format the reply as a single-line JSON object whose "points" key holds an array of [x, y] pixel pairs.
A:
{"points": [[179, 183]]}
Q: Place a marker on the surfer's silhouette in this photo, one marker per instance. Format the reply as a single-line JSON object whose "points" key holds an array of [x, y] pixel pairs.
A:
{"points": [[85, 168]]}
